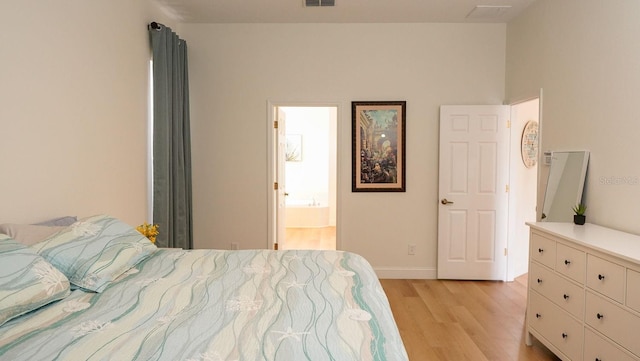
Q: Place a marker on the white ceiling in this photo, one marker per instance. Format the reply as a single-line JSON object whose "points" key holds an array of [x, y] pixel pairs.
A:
{"points": [[344, 11]]}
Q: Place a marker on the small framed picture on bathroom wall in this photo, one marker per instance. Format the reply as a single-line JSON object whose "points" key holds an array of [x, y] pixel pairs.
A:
{"points": [[378, 146], [293, 149]]}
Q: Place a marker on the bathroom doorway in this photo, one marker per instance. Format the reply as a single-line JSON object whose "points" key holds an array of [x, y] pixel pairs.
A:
{"points": [[310, 166]]}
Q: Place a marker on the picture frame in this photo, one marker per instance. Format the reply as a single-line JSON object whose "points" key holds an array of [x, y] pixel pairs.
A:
{"points": [[378, 146], [293, 150]]}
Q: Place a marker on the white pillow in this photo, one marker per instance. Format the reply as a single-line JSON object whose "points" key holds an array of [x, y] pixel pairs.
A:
{"points": [[60, 221], [28, 234]]}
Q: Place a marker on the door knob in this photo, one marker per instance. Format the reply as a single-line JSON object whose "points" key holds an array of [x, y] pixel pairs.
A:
{"points": [[445, 201]]}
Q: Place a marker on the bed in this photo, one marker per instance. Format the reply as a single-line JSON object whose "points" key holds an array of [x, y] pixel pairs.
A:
{"points": [[110, 294]]}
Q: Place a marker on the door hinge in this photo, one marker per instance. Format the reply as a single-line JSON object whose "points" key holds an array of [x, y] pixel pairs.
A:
{"points": [[275, 186], [506, 188], [508, 124], [275, 124], [506, 252]]}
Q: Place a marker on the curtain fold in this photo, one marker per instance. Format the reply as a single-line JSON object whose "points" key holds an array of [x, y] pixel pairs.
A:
{"points": [[172, 199]]}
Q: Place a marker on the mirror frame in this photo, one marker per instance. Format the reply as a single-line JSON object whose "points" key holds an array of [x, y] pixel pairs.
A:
{"points": [[579, 186]]}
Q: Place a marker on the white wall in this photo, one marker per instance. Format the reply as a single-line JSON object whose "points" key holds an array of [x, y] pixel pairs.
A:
{"points": [[240, 67], [585, 55], [73, 114], [74, 94]]}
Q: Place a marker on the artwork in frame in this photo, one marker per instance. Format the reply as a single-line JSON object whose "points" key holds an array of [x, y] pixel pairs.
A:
{"points": [[378, 146], [293, 150]]}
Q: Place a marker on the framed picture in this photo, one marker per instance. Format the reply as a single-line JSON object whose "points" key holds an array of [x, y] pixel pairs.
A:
{"points": [[378, 146], [293, 150]]}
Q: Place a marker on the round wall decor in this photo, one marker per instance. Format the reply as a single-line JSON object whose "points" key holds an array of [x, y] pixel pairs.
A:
{"points": [[529, 144]]}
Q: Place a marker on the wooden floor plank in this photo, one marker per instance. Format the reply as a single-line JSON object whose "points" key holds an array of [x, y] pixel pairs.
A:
{"points": [[310, 238], [443, 320]]}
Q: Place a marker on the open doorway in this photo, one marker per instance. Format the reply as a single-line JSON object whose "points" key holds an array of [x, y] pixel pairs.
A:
{"points": [[309, 177], [514, 153], [523, 182]]}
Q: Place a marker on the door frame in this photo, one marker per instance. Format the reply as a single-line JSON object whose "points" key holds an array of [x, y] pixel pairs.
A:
{"points": [[541, 168], [501, 199], [271, 164], [542, 171]]}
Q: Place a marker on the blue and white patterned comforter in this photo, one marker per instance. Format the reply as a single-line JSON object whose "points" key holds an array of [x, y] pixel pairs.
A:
{"points": [[206, 305]]}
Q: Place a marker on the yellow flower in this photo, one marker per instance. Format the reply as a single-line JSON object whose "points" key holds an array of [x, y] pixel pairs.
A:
{"points": [[148, 230]]}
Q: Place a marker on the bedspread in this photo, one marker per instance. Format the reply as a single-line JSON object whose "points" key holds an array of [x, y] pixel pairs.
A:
{"points": [[204, 305]]}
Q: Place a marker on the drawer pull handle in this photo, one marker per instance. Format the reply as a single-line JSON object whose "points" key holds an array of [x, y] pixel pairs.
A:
{"points": [[566, 296], [538, 315], [539, 280], [564, 335], [599, 316], [540, 250], [567, 262], [600, 277]]}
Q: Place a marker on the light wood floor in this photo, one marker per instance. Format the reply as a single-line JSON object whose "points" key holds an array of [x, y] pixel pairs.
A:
{"points": [[463, 320], [449, 320], [310, 238]]}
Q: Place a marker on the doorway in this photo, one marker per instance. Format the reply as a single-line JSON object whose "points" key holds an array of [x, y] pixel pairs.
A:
{"points": [[523, 182], [490, 242], [308, 176], [473, 181]]}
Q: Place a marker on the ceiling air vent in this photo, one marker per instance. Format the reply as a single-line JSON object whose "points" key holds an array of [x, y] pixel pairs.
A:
{"points": [[316, 3], [488, 12]]}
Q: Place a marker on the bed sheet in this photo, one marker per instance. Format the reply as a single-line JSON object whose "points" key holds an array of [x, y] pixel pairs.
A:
{"points": [[205, 305]]}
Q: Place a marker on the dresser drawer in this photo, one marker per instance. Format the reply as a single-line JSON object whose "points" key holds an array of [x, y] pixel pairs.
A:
{"points": [[571, 262], [633, 289], [597, 348], [555, 325], [618, 324], [543, 250], [560, 291], [605, 277]]}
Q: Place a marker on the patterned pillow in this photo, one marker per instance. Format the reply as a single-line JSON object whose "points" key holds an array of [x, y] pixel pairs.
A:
{"points": [[94, 251], [27, 281]]}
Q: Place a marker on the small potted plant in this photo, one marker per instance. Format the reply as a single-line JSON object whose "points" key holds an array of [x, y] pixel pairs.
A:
{"points": [[579, 217]]}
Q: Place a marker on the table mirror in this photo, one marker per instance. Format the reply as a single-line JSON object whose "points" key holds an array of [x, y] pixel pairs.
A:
{"points": [[565, 185]]}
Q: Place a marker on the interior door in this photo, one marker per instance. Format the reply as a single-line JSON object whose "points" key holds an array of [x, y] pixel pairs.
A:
{"points": [[473, 191], [280, 184]]}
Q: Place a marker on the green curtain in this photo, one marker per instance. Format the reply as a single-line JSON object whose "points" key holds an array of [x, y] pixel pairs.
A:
{"points": [[172, 200]]}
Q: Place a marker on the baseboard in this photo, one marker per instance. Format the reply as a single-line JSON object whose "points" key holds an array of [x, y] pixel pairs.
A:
{"points": [[406, 273]]}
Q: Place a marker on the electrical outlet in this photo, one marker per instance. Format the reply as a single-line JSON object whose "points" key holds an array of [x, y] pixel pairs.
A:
{"points": [[412, 249], [235, 246]]}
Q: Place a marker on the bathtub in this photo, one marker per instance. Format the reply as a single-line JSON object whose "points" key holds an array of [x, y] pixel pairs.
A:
{"points": [[304, 214]]}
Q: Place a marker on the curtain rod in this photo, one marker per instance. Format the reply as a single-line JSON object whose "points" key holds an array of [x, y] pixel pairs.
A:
{"points": [[155, 26]]}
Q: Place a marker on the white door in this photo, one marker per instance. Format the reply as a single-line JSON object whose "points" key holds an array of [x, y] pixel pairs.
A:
{"points": [[280, 186], [473, 192]]}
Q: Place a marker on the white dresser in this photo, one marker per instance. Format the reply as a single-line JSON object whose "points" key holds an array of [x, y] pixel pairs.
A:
{"points": [[584, 291]]}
